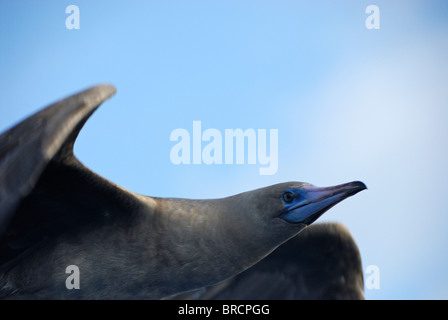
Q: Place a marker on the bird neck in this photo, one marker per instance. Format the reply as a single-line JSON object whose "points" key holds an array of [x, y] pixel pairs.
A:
{"points": [[201, 242]]}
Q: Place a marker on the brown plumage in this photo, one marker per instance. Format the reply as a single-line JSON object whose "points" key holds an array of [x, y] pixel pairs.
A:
{"points": [[55, 212], [322, 262]]}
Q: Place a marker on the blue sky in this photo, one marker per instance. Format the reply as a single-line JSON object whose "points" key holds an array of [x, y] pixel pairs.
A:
{"points": [[349, 104]]}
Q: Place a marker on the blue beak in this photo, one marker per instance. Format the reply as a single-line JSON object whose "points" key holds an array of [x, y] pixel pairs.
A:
{"points": [[307, 203]]}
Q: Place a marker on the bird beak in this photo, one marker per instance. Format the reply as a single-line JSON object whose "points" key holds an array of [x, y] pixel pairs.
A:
{"points": [[313, 201]]}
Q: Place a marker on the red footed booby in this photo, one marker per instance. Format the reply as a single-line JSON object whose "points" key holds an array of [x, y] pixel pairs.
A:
{"points": [[56, 213]]}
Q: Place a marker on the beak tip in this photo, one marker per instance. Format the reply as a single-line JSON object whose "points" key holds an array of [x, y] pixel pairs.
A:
{"points": [[355, 187], [359, 184]]}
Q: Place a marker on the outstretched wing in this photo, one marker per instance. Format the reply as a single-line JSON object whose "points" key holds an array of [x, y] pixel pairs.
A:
{"points": [[27, 148], [321, 262], [44, 190]]}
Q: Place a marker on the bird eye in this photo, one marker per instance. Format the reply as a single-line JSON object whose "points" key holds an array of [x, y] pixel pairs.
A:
{"points": [[288, 196]]}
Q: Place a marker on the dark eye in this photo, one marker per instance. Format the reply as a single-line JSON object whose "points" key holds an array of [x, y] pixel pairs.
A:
{"points": [[288, 196]]}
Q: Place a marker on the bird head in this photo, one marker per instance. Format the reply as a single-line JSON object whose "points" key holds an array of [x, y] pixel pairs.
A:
{"points": [[278, 212], [306, 203]]}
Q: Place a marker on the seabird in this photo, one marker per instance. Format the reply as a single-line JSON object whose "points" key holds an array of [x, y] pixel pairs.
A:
{"points": [[322, 262], [56, 213]]}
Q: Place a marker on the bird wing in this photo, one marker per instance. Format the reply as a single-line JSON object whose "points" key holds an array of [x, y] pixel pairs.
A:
{"points": [[44, 190], [321, 262], [27, 148]]}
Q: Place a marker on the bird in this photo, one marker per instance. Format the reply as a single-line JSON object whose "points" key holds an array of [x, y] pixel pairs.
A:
{"points": [[322, 262], [56, 213]]}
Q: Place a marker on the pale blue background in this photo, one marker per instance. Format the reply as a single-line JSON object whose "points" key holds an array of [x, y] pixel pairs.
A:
{"points": [[349, 104]]}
